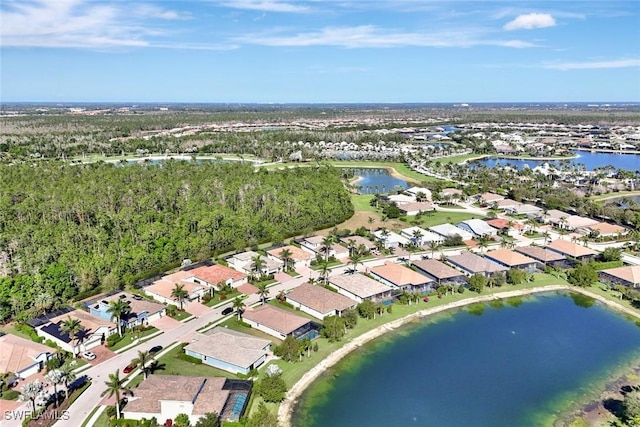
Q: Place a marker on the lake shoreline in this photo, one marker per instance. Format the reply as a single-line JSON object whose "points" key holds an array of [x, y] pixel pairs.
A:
{"points": [[286, 409]]}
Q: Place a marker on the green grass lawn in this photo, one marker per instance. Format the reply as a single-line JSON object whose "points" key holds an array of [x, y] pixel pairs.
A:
{"points": [[217, 300], [361, 202], [130, 337], [459, 159], [331, 264], [181, 315], [435, 218]]}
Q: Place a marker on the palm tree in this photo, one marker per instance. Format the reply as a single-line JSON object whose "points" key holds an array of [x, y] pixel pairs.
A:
{"points": [[324, 272], [354, 260], [238, 305], [547, 237], [483, 243], [141, 362], [327, 243], [179, 294], [68, 376], [57, 378], [263, 292], [417, 237], [256, 266], [118, 309], [434, 246], [351, 246], [285, 256], [114, 386], [71, 327]]}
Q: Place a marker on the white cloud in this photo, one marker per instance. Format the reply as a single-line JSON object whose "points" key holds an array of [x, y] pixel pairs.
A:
{"points": [[266, 6], [616, 63], [152, 11], [369, 36], [530, 21]]}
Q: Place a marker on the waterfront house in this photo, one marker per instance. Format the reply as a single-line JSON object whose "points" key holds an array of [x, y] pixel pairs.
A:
{"points": [[542, 255], [627, 276], [359, 287], [21, 356], [450, 230], [299, 257], [164, 397], [470, 264], [439, 271], [401, 277], [571, 250], [95, 331], [477, 227], [512, 259], [415, 191], [400, 199], [277, 322], [141, 310], [318, 301], [229, 350]]}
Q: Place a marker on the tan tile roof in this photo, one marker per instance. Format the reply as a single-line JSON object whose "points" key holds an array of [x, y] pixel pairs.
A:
{"points": [[437, 269], [629, 274], [359, 285], [541, 254], [164, 287], [297, 254], [605, 228], [275, 318], [17, 353], [509, 257], [358, 240], [206, 391], [416, 206], [400, 275], [229, 346], [319, 299], [570, 249], [475, 264], [217, 273]]}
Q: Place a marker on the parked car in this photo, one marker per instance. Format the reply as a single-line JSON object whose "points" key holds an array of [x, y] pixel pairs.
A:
{"points": [[227, 310], [129, 368], [136, 297], [155, 349], [426, 299], [88, 355]]}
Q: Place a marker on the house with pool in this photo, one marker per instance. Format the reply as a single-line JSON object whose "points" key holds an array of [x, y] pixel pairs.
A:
{"points": [[470, 264], [229, 350], [359, 287], [512, 259], [318, 301], [439, 271], [400, 277], [627, 276]]}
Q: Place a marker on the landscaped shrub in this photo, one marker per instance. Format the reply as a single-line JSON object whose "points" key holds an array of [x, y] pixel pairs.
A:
{"points": [[28, 330], [113, 339]]}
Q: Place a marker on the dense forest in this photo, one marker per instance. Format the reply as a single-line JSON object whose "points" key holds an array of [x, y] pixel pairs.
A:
{"points": [[65, 230]]}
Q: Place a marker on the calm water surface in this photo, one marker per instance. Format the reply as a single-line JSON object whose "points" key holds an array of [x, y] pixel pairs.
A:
{"points": [[489, 366], [590, 160], [376, 180]]}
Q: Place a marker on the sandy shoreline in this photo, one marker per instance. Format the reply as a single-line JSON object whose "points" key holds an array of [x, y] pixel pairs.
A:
{"points": [[285, 411]]}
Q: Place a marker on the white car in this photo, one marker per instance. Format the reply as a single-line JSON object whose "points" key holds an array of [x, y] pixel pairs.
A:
{"points": [[88, 355]]}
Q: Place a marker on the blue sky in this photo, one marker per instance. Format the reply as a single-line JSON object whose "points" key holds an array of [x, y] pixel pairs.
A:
{"points": [[319, 51]]}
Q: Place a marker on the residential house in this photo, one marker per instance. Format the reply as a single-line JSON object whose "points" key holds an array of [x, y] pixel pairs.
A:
{"points": [[470, 264], [315, 247], [505, 226], [627, 276], [358, 241], [299, 257], [439, 271], [553, 216], [400, 199], [164, 397], [512, 259], [391, 239], [604, 229], [95, 331], [574, 222], [243, 262], [21, 356], [318, 301], [420, 236], [415, 191], [359, 287], [229, 350], [505, 204], [524, 209], [277, 322], [451, 195], [542, 255], [450, 230], [401, 277], [571, 250], [141, 310], [488, 198], [414, 208], [478, 228]]}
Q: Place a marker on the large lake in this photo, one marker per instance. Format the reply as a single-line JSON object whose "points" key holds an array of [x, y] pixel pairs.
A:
{"points": [[512, 363], [590, 160], [376, 180]]}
